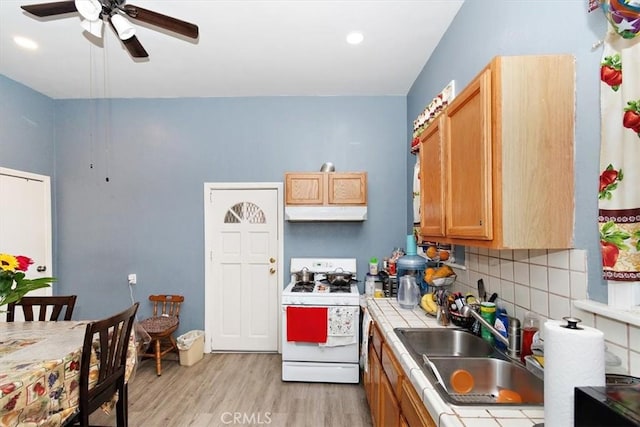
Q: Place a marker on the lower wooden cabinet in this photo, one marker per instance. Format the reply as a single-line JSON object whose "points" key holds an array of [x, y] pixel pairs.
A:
{"points": [[393, 401], [389, 409], [375, 369], [413, 409]]}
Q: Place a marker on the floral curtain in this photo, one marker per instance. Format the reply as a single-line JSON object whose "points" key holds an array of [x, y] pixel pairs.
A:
{"points": [[619, 190]]}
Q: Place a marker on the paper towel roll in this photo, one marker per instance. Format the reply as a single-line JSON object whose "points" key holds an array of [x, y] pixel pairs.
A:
{"points": [[572, 358]]}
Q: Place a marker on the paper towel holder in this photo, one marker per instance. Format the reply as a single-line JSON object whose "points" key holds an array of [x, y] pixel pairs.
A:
{"points": [[572, 322]]}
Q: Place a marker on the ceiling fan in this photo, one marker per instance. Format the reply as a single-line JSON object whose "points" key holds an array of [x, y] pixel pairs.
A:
{"points": [[95, 12]]}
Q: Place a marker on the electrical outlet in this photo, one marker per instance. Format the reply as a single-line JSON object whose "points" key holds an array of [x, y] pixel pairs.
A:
{"points": [[133, 279]]}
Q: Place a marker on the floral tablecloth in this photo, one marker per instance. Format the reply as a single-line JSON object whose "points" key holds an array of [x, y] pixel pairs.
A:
{"points": [[39, 372]]}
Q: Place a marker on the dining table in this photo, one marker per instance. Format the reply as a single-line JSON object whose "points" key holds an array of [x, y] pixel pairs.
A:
{"points": [[40, 372]]}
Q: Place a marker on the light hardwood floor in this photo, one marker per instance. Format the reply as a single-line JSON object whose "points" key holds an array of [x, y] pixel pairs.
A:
{"points": [[236, 389]]}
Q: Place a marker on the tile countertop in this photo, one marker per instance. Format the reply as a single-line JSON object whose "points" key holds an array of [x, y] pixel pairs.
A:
{"points": [[388, 315]]}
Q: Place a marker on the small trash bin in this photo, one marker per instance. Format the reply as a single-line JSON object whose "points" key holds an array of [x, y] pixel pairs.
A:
{"points": [[191, 347]]}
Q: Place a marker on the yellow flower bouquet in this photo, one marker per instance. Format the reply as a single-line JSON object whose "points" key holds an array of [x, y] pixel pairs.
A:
{"points": [[13, 284]]}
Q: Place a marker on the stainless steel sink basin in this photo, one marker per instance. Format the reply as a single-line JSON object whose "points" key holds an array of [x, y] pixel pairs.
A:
{"points": [[490, 376], [453, 349], [437, 342]]}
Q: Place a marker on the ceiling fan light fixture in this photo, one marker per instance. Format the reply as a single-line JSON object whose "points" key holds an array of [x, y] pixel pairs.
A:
{"points": [[123, 27], [92, 27], [89, 9]]}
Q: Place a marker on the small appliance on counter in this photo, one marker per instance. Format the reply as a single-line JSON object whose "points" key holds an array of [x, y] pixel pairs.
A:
{"points": [[412, 264], [389, 284], [612, 405]]}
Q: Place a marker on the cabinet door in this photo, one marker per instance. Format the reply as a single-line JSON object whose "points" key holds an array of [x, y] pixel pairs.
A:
{"points": [[347, 188], [305, 188], [366, 376], [413, 410], [468, 162], [376, 371], [432, 200], [389, 408]]}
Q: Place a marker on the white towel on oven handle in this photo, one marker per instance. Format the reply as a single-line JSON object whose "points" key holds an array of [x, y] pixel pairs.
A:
{"points": [[364, 349], [342, 324]]}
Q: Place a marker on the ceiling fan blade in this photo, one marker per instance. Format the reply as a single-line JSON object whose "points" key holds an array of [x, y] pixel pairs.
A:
{"points": [[49, 9], [135, 48], [162, 21], [132, 44]]}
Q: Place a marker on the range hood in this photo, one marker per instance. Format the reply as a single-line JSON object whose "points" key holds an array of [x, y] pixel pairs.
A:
{"points": [[325, 213]]}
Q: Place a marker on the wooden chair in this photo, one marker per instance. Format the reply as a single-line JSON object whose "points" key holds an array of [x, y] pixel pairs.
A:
{"points": [[109, 338], [161, 326], [57, 303]]}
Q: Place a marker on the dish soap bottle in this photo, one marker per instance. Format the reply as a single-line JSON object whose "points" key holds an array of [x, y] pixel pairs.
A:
{"points": [[502, 325], [530, 326]]}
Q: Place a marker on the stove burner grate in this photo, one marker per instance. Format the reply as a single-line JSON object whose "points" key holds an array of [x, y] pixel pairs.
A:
{"points": [[303, 287], [340, 288]]}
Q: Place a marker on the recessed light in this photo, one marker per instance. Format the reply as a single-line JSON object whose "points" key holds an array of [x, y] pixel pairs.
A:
{"points": [[25, 43], [355, 37]]}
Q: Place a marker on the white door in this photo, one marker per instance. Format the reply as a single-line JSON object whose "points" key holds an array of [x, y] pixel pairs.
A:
{"points": [[25, 222], [243, 280]]}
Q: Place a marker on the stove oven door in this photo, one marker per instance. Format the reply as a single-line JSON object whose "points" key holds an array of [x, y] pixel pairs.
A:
{"points": [[314, 352]]}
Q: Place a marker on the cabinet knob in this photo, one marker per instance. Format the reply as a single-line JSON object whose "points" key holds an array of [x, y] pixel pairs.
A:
{"points": [[272, 270], [41, 268], [272, 260]]}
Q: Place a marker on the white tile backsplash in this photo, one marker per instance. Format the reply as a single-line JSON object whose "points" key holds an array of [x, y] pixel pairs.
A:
{"points": [[578, 281], [546, 282], [578, 260], [521, 273], [540, 302], [634, 363], [521, 255], [507, 290], [538, 256], [559, 259], [614, 331], [494, 267], [559, 282], [506, 269], [559, 307], [522, 296], [634, 338], [539, 278]]}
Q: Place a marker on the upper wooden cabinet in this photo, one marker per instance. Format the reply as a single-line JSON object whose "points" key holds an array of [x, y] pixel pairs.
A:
{"points": [[326, 188], [500, 158], [432, 195]]}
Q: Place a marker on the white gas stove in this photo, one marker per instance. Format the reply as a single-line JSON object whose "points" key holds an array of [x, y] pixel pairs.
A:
{"points": [[320, 290], [321, 333]]}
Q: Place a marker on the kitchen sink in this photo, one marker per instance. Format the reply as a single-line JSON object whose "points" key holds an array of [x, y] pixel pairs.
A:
{"points": [[494, 374], [490, 376], [438, 342]]}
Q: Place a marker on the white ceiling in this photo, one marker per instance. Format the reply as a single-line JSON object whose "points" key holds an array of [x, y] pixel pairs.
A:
{"points": [[245, 48]]}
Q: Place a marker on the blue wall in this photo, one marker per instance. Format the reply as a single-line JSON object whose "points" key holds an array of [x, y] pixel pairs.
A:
{"points": [[149, 217], [26, 129], [484, 29]]}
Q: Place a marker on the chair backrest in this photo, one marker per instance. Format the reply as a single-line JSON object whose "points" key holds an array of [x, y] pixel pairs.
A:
{"points": [[57, 304], [166, 305], [109, 338]]}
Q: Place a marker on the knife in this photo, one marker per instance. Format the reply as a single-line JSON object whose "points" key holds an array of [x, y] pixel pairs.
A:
{"points": [[482, 294]]}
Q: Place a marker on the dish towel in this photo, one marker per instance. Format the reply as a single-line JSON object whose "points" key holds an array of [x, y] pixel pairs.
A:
{"points": [[364, 350], [341, 326], [307, 324]]}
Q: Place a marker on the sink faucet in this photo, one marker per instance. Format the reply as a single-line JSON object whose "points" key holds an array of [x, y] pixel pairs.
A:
{"points": [[512, 342]]}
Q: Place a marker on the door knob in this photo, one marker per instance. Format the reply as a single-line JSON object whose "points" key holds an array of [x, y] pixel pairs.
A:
{"points": [[272, 270], [272, 260], [41, 268]]}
